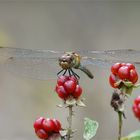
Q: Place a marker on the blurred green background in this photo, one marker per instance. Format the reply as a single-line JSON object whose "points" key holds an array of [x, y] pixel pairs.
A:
{"points": [[65, 25]]}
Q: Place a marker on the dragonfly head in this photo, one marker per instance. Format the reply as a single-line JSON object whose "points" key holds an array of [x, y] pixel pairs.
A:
{"points": [[66, 61]]}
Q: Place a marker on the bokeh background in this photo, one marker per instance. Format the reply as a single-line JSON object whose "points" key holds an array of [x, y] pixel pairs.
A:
{"points": [[65, 25]]}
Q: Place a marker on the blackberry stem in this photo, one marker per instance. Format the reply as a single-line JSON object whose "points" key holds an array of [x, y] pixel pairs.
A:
{"points": [[70, 122], [120, 125]]}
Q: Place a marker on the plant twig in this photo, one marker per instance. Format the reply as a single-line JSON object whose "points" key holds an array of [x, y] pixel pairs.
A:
{"points": [[69, 122], [120, 125]]}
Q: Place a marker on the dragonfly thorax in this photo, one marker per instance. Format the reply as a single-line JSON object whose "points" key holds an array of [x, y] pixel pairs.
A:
{"points": [[69, 60]]}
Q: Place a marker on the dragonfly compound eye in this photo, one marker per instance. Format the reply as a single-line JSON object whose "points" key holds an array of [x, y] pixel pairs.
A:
{"points": [[66, 61]]}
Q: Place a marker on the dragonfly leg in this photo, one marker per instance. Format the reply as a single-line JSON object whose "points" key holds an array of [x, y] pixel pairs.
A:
{"points": [[60, 72], [69, 72], [75, 74], [65, 72]]}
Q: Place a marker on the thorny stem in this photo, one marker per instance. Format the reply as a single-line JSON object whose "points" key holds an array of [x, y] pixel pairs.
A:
{"points": [[120, 125], [69, 122]]}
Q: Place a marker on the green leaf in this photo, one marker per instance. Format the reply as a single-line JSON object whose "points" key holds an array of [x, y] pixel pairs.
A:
{"points": [[133, 136], [123, 89], [128, 83], [71, 101], [63, 132], [136, 86], [118, 83], [90, 128], [80, 103], [129, 90], [126, 90]]}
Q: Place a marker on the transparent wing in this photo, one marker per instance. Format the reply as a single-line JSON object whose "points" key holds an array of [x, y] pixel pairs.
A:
{"points": [[18, 52], [38, 68], [96, 62], [105, 63], [38, 64], [43, 64], [123, 55]]}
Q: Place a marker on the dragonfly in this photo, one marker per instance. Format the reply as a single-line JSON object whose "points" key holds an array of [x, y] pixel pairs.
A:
{"points": [[47, 64]]}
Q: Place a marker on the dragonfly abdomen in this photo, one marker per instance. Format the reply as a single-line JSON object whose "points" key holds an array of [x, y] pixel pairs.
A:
{"points": [[86, 71]]}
